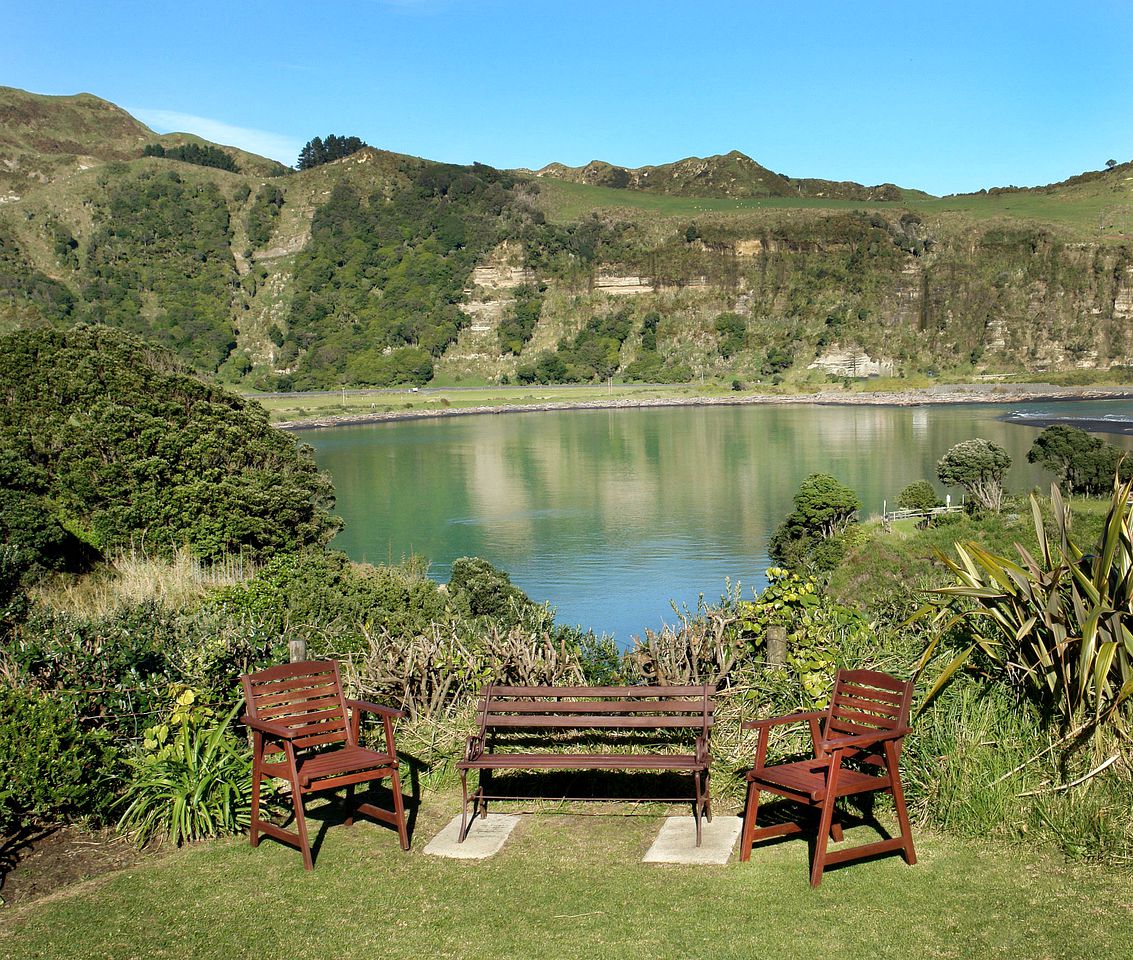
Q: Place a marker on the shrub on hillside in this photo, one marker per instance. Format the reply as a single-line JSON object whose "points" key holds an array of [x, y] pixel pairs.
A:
{"points": [[106, 442]]}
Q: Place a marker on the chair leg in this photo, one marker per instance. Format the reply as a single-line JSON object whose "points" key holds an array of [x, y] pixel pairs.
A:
{"points": [[349, 802], [301, 824], [481, 789], [836, 829], [254, 825], [399, 809], [907, 850], [697, 805], [750, 812], [708, 795], [824, 831]]}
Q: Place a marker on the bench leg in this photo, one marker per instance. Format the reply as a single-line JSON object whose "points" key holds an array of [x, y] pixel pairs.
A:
{"points": [[708, 795], [485, 779], [698, 803], [463, 806]]}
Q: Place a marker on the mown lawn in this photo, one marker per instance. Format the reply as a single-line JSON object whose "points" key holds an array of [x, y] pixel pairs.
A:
{"points": [[574, 886]]}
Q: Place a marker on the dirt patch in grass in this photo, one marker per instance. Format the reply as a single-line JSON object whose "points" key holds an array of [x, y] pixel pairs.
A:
{"points": [[38, 861]]}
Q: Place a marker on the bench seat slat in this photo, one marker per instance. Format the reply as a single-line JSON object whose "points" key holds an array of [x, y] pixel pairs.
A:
{"points": [[595, 706], [587, 721], [583, 761]]}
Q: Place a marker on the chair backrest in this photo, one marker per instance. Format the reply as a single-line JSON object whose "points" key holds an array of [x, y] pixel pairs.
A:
{"points": [[304, 697], [867, 701]]}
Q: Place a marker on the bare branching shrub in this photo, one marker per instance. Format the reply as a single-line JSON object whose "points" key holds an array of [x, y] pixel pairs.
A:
{"points": [[703, 648], [437, 671]]}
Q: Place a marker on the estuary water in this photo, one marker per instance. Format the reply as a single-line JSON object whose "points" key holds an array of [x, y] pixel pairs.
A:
{"points": [[612, 514]]}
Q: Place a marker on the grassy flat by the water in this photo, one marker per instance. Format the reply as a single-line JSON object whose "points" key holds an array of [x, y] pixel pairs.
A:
{"points": [[574, 885], [404, 401]]}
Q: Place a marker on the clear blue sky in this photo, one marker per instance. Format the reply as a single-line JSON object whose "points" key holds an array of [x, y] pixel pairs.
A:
{"points": [[944, 96]]}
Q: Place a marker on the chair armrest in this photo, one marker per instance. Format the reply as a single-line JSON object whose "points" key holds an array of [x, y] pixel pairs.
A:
{"points": [[864, 739], [789, 718], [267, 727], [388, 715], [474, 748], [367, 707]]}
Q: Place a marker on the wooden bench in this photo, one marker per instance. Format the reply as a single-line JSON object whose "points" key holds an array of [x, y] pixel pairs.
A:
{"points": [[558, 715]]}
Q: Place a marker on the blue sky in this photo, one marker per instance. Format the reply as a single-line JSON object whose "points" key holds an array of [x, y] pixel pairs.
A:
{"points": [[944, 96]]}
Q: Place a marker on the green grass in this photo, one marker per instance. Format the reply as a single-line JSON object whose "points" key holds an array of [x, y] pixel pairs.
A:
{"points": [[575, 886], [1096, 210]]}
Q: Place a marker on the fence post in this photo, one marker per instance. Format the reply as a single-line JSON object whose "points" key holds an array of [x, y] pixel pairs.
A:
{"points": [[776, 645], [297, 649]]}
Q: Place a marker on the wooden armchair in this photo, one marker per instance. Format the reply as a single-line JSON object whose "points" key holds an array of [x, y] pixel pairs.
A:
{"points": [[857, 745], [298, 710]]}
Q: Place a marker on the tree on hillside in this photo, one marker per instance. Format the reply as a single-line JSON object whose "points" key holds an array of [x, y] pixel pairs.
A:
{"points": [[334, 147], [1110, 164], [811, 535], [978, 466], [1082, 463], [107, 442]]}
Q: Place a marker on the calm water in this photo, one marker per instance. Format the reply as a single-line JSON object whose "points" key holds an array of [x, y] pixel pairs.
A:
{"points": [[610, 514]]}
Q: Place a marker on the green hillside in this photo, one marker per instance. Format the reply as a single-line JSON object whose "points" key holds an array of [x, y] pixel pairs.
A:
{"points": [[380, 268]]}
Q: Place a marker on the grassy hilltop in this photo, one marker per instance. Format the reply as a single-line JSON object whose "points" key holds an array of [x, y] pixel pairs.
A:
{"points": [[380, 269]]}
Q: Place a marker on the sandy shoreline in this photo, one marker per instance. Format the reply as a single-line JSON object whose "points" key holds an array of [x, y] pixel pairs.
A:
{"points": [[951, 394]]}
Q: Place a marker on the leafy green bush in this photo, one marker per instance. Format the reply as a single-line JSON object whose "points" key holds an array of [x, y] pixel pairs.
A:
{"points": [[1059, 625], [192, 779], [51, 768], [332, 603], [106, 442], [819, 634], [919, 495], [481, 590], [811, 536], [978, 466]]}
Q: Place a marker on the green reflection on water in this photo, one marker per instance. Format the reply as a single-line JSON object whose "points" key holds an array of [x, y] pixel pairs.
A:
{"points": [[609, 514]]}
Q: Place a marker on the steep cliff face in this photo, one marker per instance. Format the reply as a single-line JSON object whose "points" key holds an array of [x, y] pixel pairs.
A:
{"points": [[380, 268]]}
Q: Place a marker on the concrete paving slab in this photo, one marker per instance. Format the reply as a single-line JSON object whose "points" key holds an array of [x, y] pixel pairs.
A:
{"points": [[485, 838], [676, 843]]}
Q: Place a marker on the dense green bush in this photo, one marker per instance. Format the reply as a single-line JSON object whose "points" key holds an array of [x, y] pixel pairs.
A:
{"points": [[331, 603], [918, 495], [813, 534], [50, 768], [518, 324], [106, 442]]}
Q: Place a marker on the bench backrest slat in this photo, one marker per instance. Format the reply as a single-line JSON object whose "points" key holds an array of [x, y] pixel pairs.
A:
{"points": [[581, 708], [631, 691], [694, 707]]}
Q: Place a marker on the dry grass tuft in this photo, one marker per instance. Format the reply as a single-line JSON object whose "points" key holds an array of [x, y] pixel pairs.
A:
{"points": [[134, 577]]}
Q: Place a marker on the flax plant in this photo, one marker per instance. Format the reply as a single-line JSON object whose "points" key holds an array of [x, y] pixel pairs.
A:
{"points": [[1059, 624]]}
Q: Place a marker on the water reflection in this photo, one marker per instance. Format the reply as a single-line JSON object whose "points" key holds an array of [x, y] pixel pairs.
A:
{"points": [[610, 514]]}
